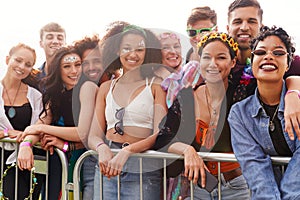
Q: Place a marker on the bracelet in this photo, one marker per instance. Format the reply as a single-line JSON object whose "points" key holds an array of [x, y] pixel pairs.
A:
{"points": [[99, 144], [72, 146], [25, 144], [66, 146], [28, 140], [5, 132], [297, 91]]}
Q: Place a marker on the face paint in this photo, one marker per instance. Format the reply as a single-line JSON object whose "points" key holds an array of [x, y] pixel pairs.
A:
{"points": [[70, 59], [142, 43]]}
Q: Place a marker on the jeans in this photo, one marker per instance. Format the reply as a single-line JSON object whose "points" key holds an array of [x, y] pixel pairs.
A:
{"points": [[236, 189], [290, 183], [130, 183], [88, 171]]}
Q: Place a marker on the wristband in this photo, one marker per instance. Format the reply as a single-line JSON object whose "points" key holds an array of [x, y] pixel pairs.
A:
{"points": [[297, 91], [28, 140], [66, 146], [99, 144], [27, 144], [5, 132]]}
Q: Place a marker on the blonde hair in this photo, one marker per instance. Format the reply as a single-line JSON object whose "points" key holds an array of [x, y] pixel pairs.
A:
{"points": [[52, 27], [24, 46]]}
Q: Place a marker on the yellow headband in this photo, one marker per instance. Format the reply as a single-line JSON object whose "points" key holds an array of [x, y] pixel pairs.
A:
{"points": [[222, 36]]}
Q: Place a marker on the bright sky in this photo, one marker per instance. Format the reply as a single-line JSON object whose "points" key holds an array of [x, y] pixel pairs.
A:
{"points": [[22, 20]]}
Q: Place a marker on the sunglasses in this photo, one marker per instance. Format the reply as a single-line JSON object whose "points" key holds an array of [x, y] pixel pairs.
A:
{"points": [[276, 52], [194, 32], [119, 125], [168, 35]]}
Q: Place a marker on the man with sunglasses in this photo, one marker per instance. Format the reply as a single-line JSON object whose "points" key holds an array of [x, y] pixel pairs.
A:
{"points": [[201, 21], [244, 23]]}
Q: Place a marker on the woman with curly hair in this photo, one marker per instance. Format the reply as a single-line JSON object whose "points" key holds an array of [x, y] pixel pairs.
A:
{"points": [[257, 123]]}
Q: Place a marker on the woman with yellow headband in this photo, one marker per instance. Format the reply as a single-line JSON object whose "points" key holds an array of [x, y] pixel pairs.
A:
{"points": [[217, 53]]}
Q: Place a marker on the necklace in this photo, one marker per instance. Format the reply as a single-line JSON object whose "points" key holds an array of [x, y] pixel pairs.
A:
{"points": [[11, 110], [271, 123], [209, 139], [213, 115], [34, 182]]}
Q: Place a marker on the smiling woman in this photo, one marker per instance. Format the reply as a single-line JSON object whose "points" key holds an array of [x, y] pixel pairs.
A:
{"points": [[21, 106], [254, 145]]}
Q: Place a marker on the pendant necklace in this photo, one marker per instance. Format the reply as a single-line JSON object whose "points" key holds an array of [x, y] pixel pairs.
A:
{"points": [[212, 115], [11, 110], [271, 123]]}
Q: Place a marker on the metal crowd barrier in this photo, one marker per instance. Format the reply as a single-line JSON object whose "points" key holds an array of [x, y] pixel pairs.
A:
{"points": [[39, 162], [75, 186], [218, 157]]}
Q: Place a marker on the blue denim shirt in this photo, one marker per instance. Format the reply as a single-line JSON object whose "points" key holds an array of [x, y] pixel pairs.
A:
{"points": [[253, 147]]}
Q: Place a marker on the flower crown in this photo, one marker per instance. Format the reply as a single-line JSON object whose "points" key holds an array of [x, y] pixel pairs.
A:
{"points": [[223, 36]]}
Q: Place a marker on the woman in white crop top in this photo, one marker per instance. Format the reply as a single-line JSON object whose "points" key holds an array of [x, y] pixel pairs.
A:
{"points": [[129, 109]]}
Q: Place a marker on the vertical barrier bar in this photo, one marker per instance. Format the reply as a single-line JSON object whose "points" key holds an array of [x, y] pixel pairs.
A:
{"points": [[165, 178], [64, 175], [47, 175], [220, 182], [119, 195], [16, 178], [141, 178], [2, 163], [192, 190]]}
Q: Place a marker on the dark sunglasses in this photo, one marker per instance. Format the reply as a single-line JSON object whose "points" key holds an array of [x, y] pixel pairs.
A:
{"points": [[194, 32], [276, 52], [119, 125]]}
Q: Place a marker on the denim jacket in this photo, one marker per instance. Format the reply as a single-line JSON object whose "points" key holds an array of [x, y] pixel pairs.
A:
{"points": [[253, 147]]}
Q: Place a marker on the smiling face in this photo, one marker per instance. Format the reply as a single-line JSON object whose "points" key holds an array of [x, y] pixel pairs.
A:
{"points": [[92, 64], [216, 62], [200, 24], [269, 67], [243, 25], [132, 51], [171, 52], [70, 69], [20, 63], [51, 41]]}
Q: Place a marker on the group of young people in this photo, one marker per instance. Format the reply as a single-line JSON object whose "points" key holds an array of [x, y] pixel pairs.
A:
{"points": [[131, 90]]}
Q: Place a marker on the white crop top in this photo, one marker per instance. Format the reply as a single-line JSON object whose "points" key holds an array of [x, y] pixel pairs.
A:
{"points": [[139, 112]]}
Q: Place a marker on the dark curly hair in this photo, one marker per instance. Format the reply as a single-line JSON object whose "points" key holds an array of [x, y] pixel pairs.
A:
{"points": [[112, 40], [87, 43], [265, 32]]}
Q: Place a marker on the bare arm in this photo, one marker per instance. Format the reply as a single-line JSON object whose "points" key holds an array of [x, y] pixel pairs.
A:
{"points": [[88, 94], [292, 107], [193, 163], [98, 127]]}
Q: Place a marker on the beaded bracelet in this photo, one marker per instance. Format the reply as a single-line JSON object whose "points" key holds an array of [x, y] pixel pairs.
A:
{"points": [[66, 146], [5, 132], [34, 182]]}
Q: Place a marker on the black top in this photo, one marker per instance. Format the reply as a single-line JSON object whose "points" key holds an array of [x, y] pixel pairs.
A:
{"points": [[277, 136], [22, 118]]}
